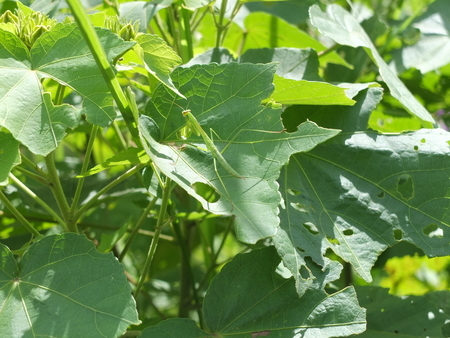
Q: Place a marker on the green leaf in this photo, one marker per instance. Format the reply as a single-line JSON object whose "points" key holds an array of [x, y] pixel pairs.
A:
{"points": [[108, 240], [342, 27], [289, 91], [293, 63], [390, 316], [127, 157], [432, 51], [272, 308], [356, 195], [64, 277], [9, 156], [225, 100], [142, 11], [267, 31], [159, 59], [26, 110]]}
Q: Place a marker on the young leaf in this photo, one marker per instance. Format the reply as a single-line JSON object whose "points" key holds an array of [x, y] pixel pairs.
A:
{"points": [[64, 277], [225, 99], [342, 27]]}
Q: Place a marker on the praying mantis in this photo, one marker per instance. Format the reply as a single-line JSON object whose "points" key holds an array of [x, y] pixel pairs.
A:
{"points": [[193, 124]]}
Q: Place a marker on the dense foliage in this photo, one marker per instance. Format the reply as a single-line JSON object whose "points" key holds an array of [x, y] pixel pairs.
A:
{"points": [[209, 169]]}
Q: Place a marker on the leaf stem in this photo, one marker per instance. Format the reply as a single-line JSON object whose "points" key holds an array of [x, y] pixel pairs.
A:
{"points": [[109, 186], [159, 225], [30, 193], [138, 225], [18, 215], [57, 190], [105, 67]]}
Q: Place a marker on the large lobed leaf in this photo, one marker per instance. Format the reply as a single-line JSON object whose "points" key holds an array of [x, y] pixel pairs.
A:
{"points": [[63, 287], [272, 308], [362, 191], [226, 100], [61, 54]]}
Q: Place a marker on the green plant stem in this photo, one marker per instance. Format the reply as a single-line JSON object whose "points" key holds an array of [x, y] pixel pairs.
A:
{"points": [[187, 269], [18, 215], [84, 167], [36, 177], [109, 186], [160, 26], [138, 225], [188, 50], [174, 29], [123, 143], [57, 190], [30, 193], [159, 225], [105, 67], [219, 24], [31, 164]]}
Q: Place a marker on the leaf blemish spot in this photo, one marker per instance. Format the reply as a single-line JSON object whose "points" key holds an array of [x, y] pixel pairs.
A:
{"points": [[380, 194], [416, 148], [348, 232], [311, 228]]}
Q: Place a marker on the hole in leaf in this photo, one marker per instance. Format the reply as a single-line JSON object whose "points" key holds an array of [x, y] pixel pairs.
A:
{"points": [[311, 228], [333, 240], [380, 194], [300, 207], [398, 234], [382, 310], [432, 230], [304, 272], [348, 232], [396, 331], [423, 140], [205, 191], [293, 192], [405, 186], [416, 148], [300, 249]]}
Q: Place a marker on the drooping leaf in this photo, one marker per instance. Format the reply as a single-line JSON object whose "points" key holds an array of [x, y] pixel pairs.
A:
{"points": [[61, 53], [390, 316], [362, 191], [272, 308], [342, 27], [128, 157], [9, 156], [64, 277], [226, 99]]}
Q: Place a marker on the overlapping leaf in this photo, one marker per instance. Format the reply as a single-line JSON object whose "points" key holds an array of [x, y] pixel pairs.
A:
{"points": [[9, 156], [226, 101], [63, 277], [432, 51], [362, 191], [272, 308], [26, 111], [342, 27]]}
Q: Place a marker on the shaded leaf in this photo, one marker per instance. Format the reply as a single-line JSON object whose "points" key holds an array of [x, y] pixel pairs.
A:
{"points": [[342, 27], [9, 156], [64, 277], [389, 316], [226, 102], [272, 308]]}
